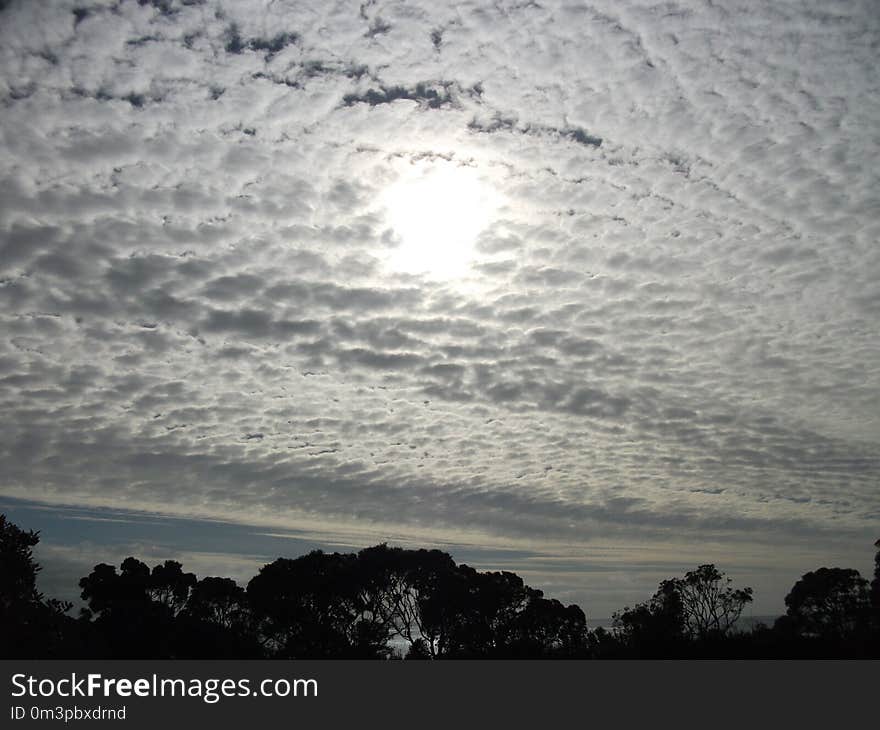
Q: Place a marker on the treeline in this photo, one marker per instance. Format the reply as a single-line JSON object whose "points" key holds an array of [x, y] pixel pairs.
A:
{"points": [[385, 602]]}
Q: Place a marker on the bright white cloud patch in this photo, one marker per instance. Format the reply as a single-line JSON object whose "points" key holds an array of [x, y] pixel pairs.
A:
{"points": [[239, 244]]}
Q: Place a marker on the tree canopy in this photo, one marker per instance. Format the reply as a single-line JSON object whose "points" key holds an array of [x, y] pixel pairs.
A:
{"points": [[829, 602]]}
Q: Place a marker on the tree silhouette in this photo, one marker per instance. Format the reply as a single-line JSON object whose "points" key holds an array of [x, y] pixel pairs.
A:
{"points": [[365, 605], [18, 570], [547, 628], [387, 595], [875, 589], [169, 585], [432, 601], [655, 628], [701, 606], [134, 609], [217, 622], [108, 592], [710, 605], [30, 625], [218, 601], [410, 595], [829, 603], [311, 607], [489, 608]]}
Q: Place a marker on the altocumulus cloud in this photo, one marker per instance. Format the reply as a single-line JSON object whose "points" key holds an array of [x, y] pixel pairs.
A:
{"points": [[667, 337]]}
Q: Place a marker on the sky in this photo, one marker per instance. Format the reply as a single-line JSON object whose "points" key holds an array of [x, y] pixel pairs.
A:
{"points": [[589, 292]]}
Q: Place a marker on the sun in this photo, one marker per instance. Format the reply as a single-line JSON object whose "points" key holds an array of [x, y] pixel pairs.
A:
{"points": [[436, 213]]}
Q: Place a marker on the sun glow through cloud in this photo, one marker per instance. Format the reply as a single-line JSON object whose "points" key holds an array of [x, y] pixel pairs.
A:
{"points": [[436, 214]]}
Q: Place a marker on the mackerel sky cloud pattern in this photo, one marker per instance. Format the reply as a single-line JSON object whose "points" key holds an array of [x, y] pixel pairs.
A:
{"points": [[665, 345]]}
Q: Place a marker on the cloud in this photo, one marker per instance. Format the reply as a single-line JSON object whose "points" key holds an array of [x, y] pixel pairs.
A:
{"points": [[667, 327]]}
